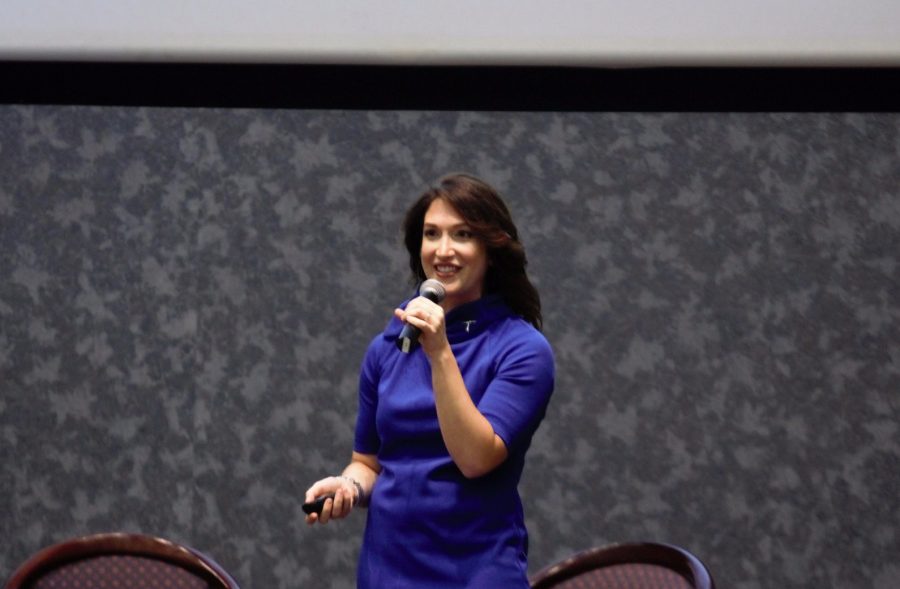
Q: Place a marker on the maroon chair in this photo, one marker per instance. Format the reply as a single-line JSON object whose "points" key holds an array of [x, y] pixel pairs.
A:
{"points": [[132, 561], [643, 565]]}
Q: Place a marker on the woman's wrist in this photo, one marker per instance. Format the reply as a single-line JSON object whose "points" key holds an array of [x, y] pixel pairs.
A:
{"points": [[360, 494], [442, 358]]}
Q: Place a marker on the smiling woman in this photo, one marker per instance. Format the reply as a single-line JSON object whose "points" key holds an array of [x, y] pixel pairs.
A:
{"points": [[482, 213], [452, 255], [442, 432]]}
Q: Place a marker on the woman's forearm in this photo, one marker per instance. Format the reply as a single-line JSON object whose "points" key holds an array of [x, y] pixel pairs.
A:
{"points": [[468, 435]]}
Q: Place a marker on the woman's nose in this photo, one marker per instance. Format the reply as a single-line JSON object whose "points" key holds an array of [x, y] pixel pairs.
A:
{"points": [[445, 246]]}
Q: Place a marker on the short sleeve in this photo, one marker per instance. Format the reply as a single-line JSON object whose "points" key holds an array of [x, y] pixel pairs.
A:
{"points": [[516, 399], [366, 440]]}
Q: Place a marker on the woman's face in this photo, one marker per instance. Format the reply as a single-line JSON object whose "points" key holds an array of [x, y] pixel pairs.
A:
{"points": [[452, 255]]}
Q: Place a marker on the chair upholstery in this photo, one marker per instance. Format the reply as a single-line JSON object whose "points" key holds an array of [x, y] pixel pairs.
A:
{"points": [[128, 561], [643, 565]]}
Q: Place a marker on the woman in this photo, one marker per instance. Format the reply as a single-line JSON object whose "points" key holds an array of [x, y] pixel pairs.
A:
{"points": [[442, 431]]}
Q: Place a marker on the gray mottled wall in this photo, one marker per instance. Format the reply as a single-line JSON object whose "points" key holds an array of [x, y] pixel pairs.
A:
{"points": [[186, 295]]}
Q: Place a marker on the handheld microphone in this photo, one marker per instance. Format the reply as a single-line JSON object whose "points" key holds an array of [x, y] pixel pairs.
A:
{"points": [[409, 338]]}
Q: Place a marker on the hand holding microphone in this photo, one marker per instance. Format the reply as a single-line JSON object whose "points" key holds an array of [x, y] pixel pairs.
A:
{"points": [[409, 337]]}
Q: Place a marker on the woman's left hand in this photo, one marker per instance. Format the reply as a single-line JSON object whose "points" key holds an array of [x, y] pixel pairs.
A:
{"points": [[428, 317]]}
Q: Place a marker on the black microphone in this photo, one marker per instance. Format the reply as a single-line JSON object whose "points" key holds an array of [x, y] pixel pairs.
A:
{"points": [[409, 338]]}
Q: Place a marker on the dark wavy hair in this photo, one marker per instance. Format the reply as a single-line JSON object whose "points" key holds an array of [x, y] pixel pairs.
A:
{"points": [[489, 218]]}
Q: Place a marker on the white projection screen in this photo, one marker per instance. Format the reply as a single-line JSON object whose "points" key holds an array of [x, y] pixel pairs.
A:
{"points": [[606, 33]]}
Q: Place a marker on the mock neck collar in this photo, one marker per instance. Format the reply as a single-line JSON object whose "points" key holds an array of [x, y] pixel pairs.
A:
{"points": [[465, 321]]}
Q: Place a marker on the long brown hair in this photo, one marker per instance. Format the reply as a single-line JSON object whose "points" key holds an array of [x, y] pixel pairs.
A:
{"points": [[489, 218]]}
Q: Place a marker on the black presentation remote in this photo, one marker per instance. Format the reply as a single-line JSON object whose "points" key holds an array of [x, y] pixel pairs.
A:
{"points": [[317, 505]]}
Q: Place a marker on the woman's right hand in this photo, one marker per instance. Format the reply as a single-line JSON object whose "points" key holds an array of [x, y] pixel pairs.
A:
{"points": [[338, 508]]}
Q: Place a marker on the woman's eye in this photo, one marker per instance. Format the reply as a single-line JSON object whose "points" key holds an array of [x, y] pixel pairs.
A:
{"points": [[464, 234], [430, 233]]}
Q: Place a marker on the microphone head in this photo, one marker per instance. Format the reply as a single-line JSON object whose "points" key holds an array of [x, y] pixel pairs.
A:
{"points": [[433, 290]]}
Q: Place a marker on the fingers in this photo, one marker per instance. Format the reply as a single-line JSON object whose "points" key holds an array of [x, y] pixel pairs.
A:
{"points": [[317, 490], [337, 508], [321, 487], [422, 313], [343, 503]]}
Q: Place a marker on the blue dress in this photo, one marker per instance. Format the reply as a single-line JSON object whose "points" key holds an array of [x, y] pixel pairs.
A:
{"points": [[428, 525]]}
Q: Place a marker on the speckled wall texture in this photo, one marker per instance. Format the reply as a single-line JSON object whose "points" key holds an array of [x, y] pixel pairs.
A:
{"points": [[187, 293]]}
